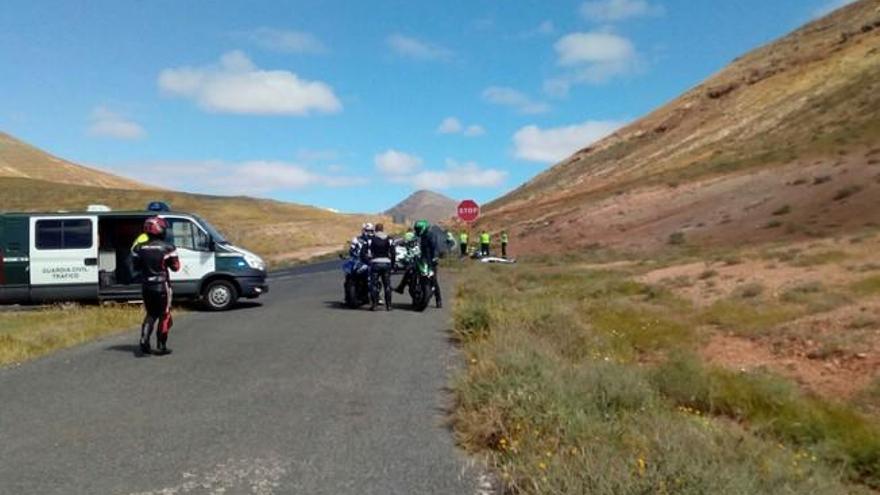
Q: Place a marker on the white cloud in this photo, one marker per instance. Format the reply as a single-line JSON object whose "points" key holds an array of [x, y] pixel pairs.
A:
{"points": [[403, 168], [457, 174], [449, 125], [830, 6], [591, 58], [500, 95], [106, 123], [410, 47], [255, 177], [474, 131], [285, 41], [237, 86], [618, 10], [396, 163], [593, 48], [554, 144]]}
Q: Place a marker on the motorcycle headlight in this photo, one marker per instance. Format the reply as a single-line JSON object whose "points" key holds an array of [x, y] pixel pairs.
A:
{"points": [[255, 262]]}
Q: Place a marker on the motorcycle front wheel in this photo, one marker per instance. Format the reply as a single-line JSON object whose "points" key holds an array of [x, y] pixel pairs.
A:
{"points": [[421, 293]]}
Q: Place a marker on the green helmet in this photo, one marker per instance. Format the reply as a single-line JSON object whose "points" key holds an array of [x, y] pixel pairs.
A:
{"points": [[420, 227]]}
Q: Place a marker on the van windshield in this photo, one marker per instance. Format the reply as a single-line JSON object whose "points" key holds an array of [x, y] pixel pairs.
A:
{"points": [[213, 232]]}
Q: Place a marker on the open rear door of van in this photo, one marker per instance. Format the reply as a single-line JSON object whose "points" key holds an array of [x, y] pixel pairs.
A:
{"points": [[14, 282], [64, 258]]}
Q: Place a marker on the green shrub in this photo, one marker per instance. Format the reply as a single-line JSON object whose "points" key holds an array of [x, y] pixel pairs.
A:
{"points": [[775, 407], [744, 317], [867, 287], [782, 210], [847, 191], [472, 320], [676, 238], [707, 274], [748, 291]]}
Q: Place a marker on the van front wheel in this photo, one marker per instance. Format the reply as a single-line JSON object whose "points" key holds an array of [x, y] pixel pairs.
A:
{"points": [[219, 295]]}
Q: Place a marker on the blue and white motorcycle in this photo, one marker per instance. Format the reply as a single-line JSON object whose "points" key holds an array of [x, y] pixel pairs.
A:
{"points": [[357, 279]]}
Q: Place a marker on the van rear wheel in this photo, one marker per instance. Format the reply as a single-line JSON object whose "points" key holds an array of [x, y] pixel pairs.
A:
{"points": [[219, 295]]}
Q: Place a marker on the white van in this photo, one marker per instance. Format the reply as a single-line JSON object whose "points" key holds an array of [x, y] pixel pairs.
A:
{"points": [[52, 257]]}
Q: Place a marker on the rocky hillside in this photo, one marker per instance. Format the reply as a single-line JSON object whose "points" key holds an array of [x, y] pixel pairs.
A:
{"points": [[19, 159], [784, 142], [424, 204]]}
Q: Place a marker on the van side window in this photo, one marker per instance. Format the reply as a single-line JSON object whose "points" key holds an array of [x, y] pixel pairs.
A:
{"points": [[183, 234], [64, 234]]}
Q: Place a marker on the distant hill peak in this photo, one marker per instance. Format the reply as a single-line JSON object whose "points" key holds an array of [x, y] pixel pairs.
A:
{"points": [[430, 205]]}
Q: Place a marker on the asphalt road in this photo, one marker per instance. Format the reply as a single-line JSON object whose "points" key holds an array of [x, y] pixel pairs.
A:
{"points": [[294, 395]]}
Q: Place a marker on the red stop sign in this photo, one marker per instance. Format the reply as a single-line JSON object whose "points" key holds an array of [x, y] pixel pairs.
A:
{"points": [[468, 211]]}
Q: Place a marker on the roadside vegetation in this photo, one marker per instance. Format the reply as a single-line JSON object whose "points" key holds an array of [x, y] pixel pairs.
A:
{"points": [[590, 375], [29, 334]]}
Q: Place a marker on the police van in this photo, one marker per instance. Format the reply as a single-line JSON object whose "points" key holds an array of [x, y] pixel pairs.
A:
{"points": [[54, 257]]}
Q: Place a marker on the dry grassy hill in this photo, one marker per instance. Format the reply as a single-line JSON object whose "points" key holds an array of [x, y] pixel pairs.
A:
{"points": [[19, 159], [783, 143], [33, 180], [282, 232]]}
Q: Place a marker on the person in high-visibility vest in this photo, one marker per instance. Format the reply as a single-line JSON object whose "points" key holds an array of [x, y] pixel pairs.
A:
{"points": [[485, 240], [504, 241], [463, 243]]}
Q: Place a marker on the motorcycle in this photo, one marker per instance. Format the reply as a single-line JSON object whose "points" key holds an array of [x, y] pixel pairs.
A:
{"points": [[421, 285], [357, 283]]}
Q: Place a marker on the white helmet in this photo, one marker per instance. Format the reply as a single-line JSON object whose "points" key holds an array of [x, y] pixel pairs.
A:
{"points": [[369, 228]]}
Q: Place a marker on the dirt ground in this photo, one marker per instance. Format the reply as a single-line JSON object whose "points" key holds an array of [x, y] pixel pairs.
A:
{"points": [[832, 348], [808, 199]]}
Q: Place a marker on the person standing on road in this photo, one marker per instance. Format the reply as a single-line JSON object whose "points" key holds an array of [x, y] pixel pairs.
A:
{"points": [[430, 254], [463, 243], [504, 240], [485, 240], [379, 253], [154, 259]]}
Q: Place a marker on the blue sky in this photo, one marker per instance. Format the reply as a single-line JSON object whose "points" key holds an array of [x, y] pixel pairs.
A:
{"points": [[353, 105]]}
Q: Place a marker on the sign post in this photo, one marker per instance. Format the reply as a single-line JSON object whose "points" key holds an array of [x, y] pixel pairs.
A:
{"points": [[468, 212]]}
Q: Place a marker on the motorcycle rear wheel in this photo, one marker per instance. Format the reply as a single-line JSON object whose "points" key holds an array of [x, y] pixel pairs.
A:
{"points": [[351, 295]]}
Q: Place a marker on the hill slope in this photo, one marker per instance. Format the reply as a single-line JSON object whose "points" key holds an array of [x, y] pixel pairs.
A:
{"points": [[19, 159], [33, 180], [424, 204], [783, 142], [281, 232]]}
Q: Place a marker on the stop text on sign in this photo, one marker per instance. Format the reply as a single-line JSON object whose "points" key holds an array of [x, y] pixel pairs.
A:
{"points": [[468, 210]]}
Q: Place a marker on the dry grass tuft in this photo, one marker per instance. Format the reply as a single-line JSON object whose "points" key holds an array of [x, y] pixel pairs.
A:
{"points": [[585, 381], [25, 335]]}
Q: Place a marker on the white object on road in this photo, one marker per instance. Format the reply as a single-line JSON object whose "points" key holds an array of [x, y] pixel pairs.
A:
{"points": [[495, 259]]}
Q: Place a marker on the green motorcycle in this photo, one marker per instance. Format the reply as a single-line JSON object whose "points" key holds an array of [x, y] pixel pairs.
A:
{"points": [[421, 286]]}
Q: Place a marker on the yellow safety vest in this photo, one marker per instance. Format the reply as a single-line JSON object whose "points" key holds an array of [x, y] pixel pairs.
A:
{"points": [[484, 238], [464, 238], [504, 239]]}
